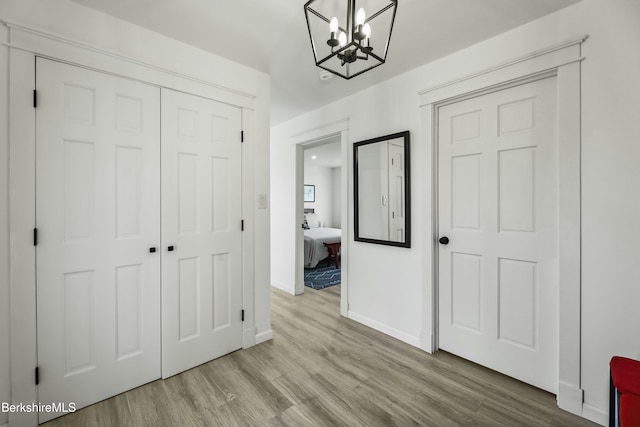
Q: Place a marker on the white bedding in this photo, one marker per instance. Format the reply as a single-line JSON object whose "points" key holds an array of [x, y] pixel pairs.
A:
{"points": [[314, 250]]}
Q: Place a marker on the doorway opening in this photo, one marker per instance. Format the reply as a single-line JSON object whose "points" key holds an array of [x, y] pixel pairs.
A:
{"points": [[326, 181], [322, 212]]}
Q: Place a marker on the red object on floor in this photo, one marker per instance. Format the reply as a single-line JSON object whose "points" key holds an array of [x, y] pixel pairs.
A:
{"points": [[624, 394], [629, 410], [625, 374], [333, 248]]}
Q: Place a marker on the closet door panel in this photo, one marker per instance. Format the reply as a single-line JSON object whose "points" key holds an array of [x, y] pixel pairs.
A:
{"points": [[98, 215], [201, 231]]}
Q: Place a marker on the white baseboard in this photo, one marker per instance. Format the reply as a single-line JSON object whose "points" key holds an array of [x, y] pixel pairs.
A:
{"points": [[249, 337], [386, 329], [594, 414], [264, 336], [426, 342], [570, 398], [288, 289]]}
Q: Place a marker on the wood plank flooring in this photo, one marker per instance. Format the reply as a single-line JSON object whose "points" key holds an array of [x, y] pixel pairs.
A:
{"points": [[324, 370]]}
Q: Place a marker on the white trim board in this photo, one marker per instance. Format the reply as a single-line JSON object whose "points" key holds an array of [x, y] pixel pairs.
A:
{"points": [[544, 59], [562, 60], [65, 49], [288, 289], [385, 329], [595, 414], [264, 336], [22, 289], [248, 215]]}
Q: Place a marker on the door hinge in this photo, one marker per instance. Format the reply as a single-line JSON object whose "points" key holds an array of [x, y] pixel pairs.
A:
{"points": [[35, 98], [242, 315], [241, 136], [35, 237], [242, 225], [37, 375]]}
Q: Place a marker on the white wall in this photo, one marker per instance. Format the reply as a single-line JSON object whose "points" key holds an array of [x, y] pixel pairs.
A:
{"points": [[322, 178], [385, 290], [386, 285], [4, 228], [336, 215], [72, 21]]}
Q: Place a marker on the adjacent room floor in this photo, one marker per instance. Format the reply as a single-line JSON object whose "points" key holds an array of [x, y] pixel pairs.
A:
{"points": [[324, 370]]}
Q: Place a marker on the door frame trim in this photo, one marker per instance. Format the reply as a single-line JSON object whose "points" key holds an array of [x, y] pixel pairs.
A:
{"points": [[308, 138], [563, 61], [25, 45]]}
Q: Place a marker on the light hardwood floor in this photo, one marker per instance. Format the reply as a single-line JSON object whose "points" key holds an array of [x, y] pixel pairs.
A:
{"points": [[321, 369]]}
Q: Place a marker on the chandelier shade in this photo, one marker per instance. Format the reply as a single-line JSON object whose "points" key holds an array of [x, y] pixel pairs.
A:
{"points": [[349, 37]]}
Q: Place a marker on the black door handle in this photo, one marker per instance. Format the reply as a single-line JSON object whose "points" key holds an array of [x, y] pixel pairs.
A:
{"points": [[152, 249], [444, 240], [170, 248]]}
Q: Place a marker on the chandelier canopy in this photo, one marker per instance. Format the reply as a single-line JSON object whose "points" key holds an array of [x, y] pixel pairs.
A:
{"points": [[349, 37]]}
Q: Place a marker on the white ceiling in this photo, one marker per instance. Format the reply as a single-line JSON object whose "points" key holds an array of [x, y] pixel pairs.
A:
{"points": [[271, 36], [326, 154]]}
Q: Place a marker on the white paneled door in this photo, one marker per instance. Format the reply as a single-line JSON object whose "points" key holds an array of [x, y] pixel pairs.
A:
{"points": [[201, 231], [139, 271], [98, 202], [498, 206]]}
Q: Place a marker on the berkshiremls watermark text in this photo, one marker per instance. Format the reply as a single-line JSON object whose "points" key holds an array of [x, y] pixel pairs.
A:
{"points": [[38, 407]]}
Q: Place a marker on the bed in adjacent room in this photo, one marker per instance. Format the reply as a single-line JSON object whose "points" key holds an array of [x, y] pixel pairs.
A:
{"points": [[314, 239]]}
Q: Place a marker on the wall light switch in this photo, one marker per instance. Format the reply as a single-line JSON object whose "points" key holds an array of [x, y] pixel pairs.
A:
{"points": [[262, 201]]}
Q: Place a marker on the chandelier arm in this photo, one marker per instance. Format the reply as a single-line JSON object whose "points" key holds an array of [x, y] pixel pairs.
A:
{"points": [[378, 13], [319, 15], [377, 57], [328, 57]]}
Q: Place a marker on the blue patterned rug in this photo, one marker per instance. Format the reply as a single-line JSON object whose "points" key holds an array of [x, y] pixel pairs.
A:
{"points": [[321, 277]]}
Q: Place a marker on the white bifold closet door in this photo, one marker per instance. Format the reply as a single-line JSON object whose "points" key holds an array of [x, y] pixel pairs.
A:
{"points": [[201, 231], [131, 288], [98, 204], [498, 205]]}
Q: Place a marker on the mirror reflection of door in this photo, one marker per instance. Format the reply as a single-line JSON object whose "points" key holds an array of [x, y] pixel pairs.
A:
{"points": [[396, 190], [373, 195], [381, 189]]}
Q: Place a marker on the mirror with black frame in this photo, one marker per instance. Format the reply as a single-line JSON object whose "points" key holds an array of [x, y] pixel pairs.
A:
{"points": [[381, 190]]}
